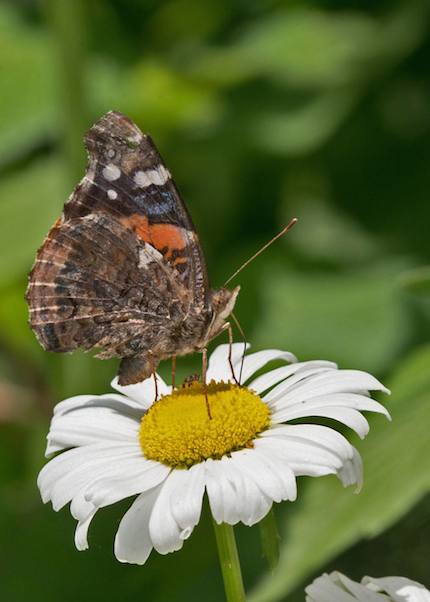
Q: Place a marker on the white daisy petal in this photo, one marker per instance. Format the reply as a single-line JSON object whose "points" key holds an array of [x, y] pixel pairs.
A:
{"points": [[80, 508], [328, 382], [79, 479], [324, 589], [171, 520], [348, 400], [74, 459], [81, 532], [140, 475], [143, 393], [186, 503], [132, 542], [313, 450], [119, 402], [272, 477], [91, 424], [253, 362], [304, 369], [233, 496], [316, 434], [348, 416], [222, 499], [219, 367], [400, 589], [337, 587], [251, 503], [83, 512], [284, 388], [351, 472], [230, 511], [299, 454]]}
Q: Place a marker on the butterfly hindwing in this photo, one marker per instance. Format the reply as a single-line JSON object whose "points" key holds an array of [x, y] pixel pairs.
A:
{"points": [[94, 284]]}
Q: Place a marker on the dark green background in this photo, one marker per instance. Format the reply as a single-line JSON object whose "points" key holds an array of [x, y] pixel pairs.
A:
{"points": [[263, 111]]}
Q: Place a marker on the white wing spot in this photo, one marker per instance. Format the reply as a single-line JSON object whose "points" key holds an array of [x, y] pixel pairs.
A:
{"points": [[147, 255], [135, 139], [112, 194], [111, 153], [111, 172], [157, 176]]}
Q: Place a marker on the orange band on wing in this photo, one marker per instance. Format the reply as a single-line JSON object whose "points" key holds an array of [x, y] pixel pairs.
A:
{"points": [[160, 236]]}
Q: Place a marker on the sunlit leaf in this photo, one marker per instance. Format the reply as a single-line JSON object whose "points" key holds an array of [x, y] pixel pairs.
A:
{"points": [[27, 99], [151, 88], [356, 318], [301, 131], [325, 232], [30, 201], [417, 281], [309, 48]]}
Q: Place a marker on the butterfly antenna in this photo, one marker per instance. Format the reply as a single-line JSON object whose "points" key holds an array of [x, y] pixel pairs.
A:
{"points": [[284, 230], [245, 343]]}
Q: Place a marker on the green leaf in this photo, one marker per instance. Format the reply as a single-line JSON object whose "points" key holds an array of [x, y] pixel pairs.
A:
{"points": [[14, 327], [30, 201], [300, 131], [356, 318], [326, 232], [396, 476], [417, 281], [309, 48], [27, 101], [148, 91]]}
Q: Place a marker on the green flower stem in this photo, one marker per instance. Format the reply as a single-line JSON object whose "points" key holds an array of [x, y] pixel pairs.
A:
{"points": [[270, 539], [229, 561]]}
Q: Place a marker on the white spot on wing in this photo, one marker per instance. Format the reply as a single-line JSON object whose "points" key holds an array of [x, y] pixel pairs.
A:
{"points": [[147, 255], [135, 139], [111, 172], [157, 176], [112, 194], [111, 153]]}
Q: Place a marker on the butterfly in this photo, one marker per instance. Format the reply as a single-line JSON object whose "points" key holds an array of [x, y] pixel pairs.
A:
{"points": [[122, 270]]}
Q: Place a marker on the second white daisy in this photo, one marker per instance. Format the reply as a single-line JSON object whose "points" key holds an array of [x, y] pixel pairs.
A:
{"points": [[169, 453], [336, 587]]}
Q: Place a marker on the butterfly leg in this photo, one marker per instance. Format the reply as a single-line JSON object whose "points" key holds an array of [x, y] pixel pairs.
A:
{"points": [[204, 371], [230, 347], [245, 344], [154, 375], [173, 372]]}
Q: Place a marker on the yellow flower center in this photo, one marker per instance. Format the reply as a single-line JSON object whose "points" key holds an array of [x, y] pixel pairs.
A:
{"points": [[177, 430]]}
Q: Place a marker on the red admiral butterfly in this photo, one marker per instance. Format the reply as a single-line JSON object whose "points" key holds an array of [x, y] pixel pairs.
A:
{"points": [[122, 269]]}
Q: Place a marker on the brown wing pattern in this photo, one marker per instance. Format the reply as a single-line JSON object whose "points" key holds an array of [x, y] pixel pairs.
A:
{"points": [[122, 269], [127, 178], [95, 285]]}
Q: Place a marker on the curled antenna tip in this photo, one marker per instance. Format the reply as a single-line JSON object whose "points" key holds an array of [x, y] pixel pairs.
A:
{"points": [[291, 223], [284, 230]]}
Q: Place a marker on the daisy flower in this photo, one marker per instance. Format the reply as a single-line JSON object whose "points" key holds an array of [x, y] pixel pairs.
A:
{"points": [[169, 453], [338, 588]]}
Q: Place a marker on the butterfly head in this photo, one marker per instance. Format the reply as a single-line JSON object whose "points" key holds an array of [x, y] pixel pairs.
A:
{"points": [[223, 301]]}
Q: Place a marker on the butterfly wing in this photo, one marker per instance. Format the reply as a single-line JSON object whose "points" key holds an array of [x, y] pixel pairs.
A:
{"points": [[122, 267], [127, 178], [94, 284]]}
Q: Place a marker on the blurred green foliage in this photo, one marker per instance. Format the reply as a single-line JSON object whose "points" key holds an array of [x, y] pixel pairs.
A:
{"points": [[263, 110]]}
